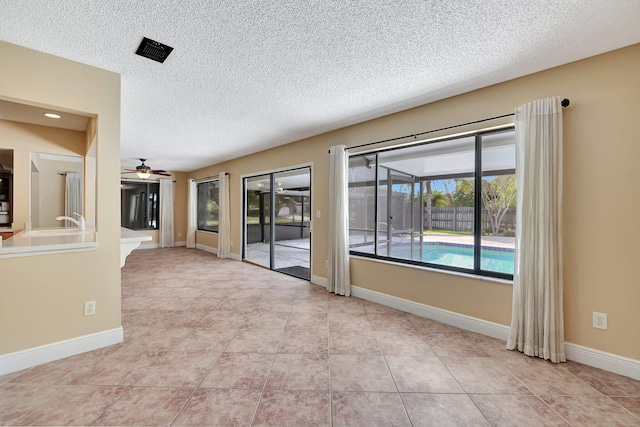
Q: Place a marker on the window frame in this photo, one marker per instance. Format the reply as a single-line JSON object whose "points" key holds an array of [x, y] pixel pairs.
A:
{"points": [[201, 209], [149, 210], [477, 174]]}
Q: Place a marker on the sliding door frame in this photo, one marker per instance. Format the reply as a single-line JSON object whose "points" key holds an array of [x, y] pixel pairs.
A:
{"points": [[243, 228]]}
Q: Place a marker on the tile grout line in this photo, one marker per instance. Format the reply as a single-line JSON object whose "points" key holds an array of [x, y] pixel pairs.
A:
{"points": [[208, 371], [395, 383], [264, 386]]}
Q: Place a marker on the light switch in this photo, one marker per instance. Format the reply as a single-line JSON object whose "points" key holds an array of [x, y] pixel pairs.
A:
{"points": [[318, 213]]}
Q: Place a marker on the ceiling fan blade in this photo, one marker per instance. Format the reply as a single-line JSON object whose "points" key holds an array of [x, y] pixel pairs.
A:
{"points": [[160, 172]]}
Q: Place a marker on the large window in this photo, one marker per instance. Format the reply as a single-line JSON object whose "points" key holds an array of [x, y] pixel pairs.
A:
{"points": [[139, 204], [447, 204], [208, 207]]}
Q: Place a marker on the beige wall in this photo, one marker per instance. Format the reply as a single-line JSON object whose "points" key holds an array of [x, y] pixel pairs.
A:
{"points": [[52, 189], [601, 200], [180, 196], [41, 297], [90, 171], [24, 139]]}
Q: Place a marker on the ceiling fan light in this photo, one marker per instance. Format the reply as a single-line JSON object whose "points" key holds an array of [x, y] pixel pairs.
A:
{"points": [[143, 175]]}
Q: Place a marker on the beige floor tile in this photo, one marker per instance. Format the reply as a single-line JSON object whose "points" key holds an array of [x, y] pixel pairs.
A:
{"points": [[366, 409], [524, 411], [209, 340], [293, 408], [631, 404], [223, 320], [308, 320], [454, 344], [340, 321], [304, 341], [119, 369], [71, 405], [218, 342], [591, 411], [281, 306], [402, 343], [239, 370], [352, 341], [360, 373], [230, 407], [605, 382], [442, 410], [299, 372], [254, 340], [17, 400], [389, 322], [180, 369], [146, 406], [260, 319], [310, 305], [419, 374], [484, 375], [544, 377]]}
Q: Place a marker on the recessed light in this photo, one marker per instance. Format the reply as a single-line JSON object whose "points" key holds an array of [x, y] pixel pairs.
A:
{"points": [[52, 116]]}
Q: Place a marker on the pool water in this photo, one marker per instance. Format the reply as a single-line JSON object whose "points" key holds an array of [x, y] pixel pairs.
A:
{"points": [[457, 256]]}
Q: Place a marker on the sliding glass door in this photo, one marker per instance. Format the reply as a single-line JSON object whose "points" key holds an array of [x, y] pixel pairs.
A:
{"points": [[257, 229], [277, 221]]}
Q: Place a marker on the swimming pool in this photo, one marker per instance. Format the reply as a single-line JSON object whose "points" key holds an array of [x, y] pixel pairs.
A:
{"points": [[499, 261]]}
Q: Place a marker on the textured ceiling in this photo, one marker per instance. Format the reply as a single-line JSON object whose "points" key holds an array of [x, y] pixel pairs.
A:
{"points": [[249, 75]]}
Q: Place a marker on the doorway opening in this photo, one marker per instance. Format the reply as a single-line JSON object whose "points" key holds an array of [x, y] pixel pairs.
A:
{"points": [[277, 221]]}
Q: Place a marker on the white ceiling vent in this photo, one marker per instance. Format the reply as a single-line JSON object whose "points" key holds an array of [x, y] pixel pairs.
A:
{"points": [[153, 50]]}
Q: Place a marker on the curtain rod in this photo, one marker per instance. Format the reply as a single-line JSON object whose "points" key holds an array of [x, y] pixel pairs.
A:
{"points": [[212, 176], [141, 180], [565, 103]]}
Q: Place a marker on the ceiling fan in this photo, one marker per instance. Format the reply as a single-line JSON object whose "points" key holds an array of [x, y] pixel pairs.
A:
{"points": [[143, 171]]}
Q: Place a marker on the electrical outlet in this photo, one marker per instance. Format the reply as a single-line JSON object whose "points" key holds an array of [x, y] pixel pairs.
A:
{"points": [[89, 308], [326, 263], [179, 234], [600, 320]]}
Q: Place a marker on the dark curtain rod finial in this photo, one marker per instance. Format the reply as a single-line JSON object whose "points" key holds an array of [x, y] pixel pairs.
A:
{"points": [[565, 102]]}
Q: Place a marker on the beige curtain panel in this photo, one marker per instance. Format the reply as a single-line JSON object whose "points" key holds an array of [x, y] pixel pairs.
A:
{"points": [[537, 323]]}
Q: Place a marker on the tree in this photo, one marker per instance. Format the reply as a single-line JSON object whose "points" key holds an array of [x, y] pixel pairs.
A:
{"points": [[428, 202], [463, 194], [438, 199], [498, 195], [432, 199]]}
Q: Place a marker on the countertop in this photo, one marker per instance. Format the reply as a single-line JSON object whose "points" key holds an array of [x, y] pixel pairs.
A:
{"points": [[28, 242]]}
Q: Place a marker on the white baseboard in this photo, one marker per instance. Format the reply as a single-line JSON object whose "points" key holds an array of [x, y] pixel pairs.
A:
{"points": [[213, 250], [461, 321], [206, 248], [30, 357], [317, 280], [601, 359], [588, 356], [157, 245]]}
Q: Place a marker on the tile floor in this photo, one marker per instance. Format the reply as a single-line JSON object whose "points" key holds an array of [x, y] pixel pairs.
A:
{"points": [[222, 343]]}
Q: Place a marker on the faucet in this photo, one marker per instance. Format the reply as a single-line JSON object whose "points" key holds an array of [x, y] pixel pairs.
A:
{"points": [[79, 222]]}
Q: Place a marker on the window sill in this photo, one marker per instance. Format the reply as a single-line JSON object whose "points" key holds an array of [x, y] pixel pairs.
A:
{"points": [[436, 270], [207, 231]]}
